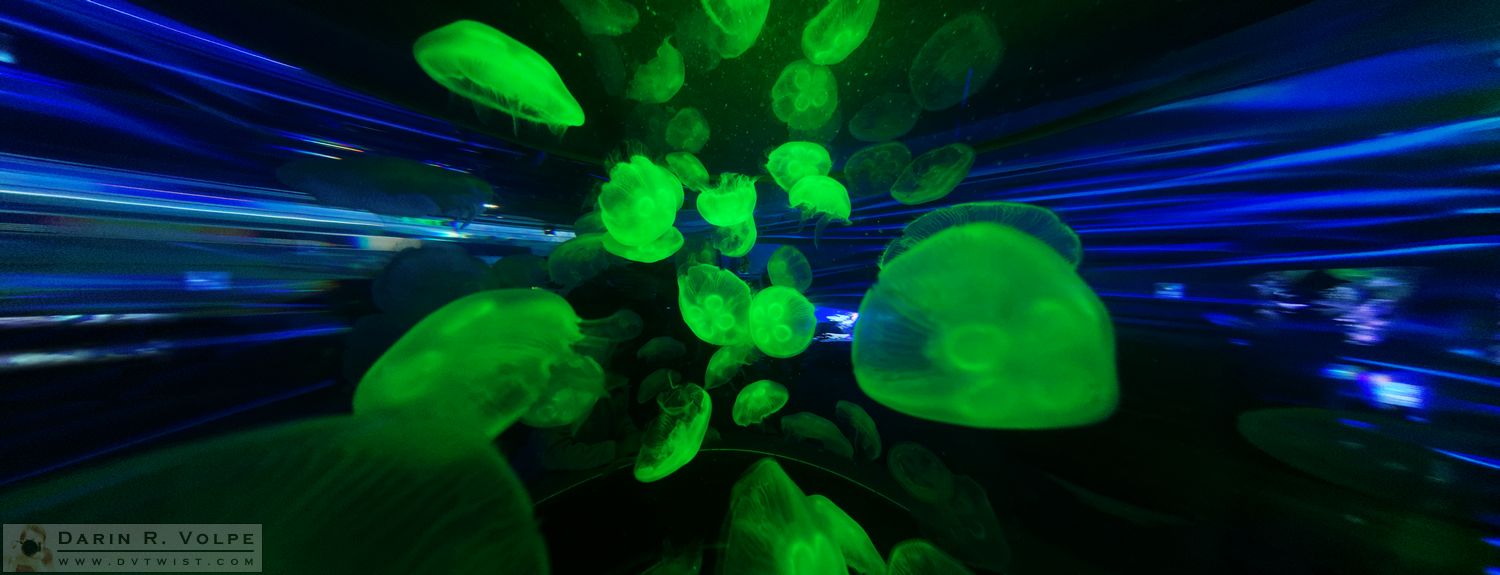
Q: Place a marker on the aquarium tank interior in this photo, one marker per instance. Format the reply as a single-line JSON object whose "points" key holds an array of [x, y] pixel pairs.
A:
{"points": [[750, 287]]}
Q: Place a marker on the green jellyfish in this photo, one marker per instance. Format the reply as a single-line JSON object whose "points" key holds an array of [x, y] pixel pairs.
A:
{"points": [[985, 326], [698, 249], [773, 528], [661, 349], [344, 491], [789, 268], [861, 427], [589, 223], [966, 525], [688, 169], [575, 384], [821, 197], [519, 271], [726, 363], [781, 321], [837, 30], [494, 70], [578, 260], [873, 170], [815, 428], [688, 130], [660, 380], [603, 17], [1040, 222], [918, 557], [920, 472], [805, 95], [657, 250], [933, 175], [658, 80], [740, 22], [885, 117], [729, 203], [672, 439], [957, 60], [715, 304], [859, 551], [736, 240], [758, 401], [792, 161], [639, 203]]}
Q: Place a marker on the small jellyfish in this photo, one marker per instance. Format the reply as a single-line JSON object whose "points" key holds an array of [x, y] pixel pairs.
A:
{"points": [[736, 240], [672, 439], [956, 61], [920, 472], [688, 130], [726, 363], [661, 349], [660, 380], [589, 223], [789, 268], [804, 95], [885, 117], [696, 250], [658, 80], [817, 429], [773, 529], [484, 65], [985, 326], [688, 169], [859, 551], [861, 427], [573, 387], [639, 203], [715, 304], [966, 525], [578, 260], [781, 321], [918, 557], [729, 203], [1040, 222], [821, 197], [388, 186], [932, 175], [758, 401], [874, 169], [740, 22], [603, 17], [837, 30], [657, 250], [519, 271], [792, 161]]}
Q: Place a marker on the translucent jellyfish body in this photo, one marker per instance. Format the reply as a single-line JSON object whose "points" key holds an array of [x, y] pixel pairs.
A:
{"points": [[932, 175], [789, 268], [861, 429], [658, 79], [885, 117], [661, 349], [715, 304], [726, 363], [821, 198], [603, 17], [578, 260], [957, 60], [1039, 222], [837, 30], [815, 428], [920, 472], [574, 385], [792, 161], [804, 95], [873, 170], [781, 321], [730, 202], [688, 169], [758, 401], [859, 551], [688, 130], [654, 251], [494, 70], [966, 525], [660, 380], [739, 21], [639, 203], [918, 557], [773, 529], [672, 439], [983, 325], [735, 240]]}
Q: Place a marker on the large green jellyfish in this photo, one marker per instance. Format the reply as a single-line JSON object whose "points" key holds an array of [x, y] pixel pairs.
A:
{"points": [[758, 401], [956, 61], [821, 197], [661, 349], [731, 202], [688, 169], [578, 260], [576, 383], [837, 30], [1040, 222], [792, 161], [933, 175], [659, 79], [736, 240], [726, 363], [740, 22], [603, 17], [805, 95], [484, 65], [859, 551], [781, 321], [861, 427], [657, 250], [918, 557], [788, 267], [688, 130], [338, 495], [885, 117], [715, 304], [815, 428], [984, 325], [672, 439], [519, 271], [920, 472], [639, 203], [773, 529], [660, 380], [873, 170]]}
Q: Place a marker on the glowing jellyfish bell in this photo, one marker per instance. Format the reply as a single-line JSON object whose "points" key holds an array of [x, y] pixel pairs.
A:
{"points": [[920, 472], [726, 363], [688, 169], [603, 17], [837, 30], [873, 169], [957, 60], [773, 529], [688, 130], [659, 79], [739, 23], [639, 203], [1039, 222], [736, 240], [758, 401], [782, 321], [654, 251], [932, 175], [792, 161], [823, 198], [672, 439], [730, 202], [788, 267], [919, 557], [715, 304], [804, 95], [815, 428], [861, 427], [492, 69], [985, 326]]}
